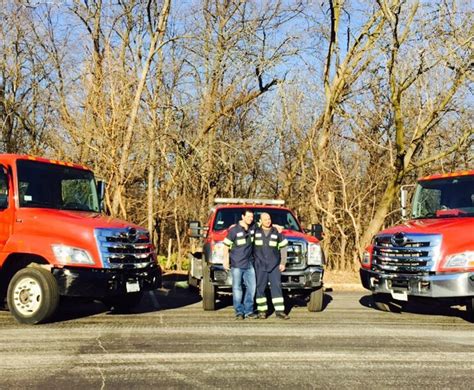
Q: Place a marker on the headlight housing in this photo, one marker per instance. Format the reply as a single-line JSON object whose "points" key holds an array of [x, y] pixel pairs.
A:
{"points": [[69, 255], [315, 255], [218, 253], [366, 260], [460, 260]]}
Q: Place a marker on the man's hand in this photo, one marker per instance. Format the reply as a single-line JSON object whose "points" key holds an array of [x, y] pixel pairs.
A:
{"points": [[282, 267], [279, 228], [226, 259]]}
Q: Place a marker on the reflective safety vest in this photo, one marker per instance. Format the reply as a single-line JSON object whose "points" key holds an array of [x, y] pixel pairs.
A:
{"points": [[267, 248], [240, 243]]}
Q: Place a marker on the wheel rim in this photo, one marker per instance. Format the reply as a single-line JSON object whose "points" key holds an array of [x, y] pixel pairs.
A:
{"points": [[27, 296]]}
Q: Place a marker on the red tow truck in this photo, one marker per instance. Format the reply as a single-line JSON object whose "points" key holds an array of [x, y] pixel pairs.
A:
{"points": [[305, 258], [432, 254], [54, 241]]}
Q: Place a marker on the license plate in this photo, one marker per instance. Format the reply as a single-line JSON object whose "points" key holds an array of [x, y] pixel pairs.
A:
{"points": [[132, 287], [400, 295]]}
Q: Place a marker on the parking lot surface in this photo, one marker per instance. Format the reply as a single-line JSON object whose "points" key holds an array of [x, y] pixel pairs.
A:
{"points": [[170, 342]]}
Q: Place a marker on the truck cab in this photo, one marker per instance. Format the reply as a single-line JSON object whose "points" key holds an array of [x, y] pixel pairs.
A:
{"points": [[432, 254], [55, 241], [305, 259]]}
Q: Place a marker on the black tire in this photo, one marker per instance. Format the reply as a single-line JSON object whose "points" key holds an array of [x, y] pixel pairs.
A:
{"points": [[315, 303], [381, 302], [470, 308], [208, 291], [193, 283], [123, 303], [33, 295]]}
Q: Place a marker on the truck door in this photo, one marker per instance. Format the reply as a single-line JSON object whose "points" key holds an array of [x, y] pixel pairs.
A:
{"points": [[6, 207]]}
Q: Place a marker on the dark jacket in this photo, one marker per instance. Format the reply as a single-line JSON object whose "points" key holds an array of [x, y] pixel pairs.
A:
{"points": [[240, 243], [267, 248]]}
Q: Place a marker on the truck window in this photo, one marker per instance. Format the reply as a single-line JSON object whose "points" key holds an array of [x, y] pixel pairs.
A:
{"points": [[434, 198], [229, 216], [54, 186]]}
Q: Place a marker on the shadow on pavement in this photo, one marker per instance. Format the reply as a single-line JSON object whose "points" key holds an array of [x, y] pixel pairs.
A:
{"points": [[422, 307], [173, 294], [302, 301]]}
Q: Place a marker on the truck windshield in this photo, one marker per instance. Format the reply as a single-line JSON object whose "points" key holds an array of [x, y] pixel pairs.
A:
{"points": [[54, 186], [443, 198], [230, 216]]}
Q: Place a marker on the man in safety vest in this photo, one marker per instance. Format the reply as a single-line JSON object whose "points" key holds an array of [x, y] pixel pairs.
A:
{"points": [[240, 241], [269, 263]]}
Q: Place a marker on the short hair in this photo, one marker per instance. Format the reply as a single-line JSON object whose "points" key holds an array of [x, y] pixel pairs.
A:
{"points": [[247, 211]]}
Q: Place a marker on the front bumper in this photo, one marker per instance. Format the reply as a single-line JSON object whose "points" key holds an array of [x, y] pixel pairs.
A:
{"points": [[99, 283], [309, 278], [451, 285]]}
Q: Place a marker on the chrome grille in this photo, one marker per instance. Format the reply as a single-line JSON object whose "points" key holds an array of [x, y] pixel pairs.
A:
{"points": [[124, 248], [406, 253], [296, 254]]}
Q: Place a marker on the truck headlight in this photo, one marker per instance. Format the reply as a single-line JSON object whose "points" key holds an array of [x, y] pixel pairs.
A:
{"points": [[315, 255], [218, 253], [460, 260], [69, 255], [366, 260]]}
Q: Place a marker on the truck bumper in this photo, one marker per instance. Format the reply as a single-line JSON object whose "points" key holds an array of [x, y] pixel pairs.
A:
{"points": [[99, 283], [431, 286], [309, 278]]}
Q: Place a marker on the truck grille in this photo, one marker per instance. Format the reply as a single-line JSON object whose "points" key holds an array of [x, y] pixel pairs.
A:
{"points": [[296, 254], [124, 248], [406, 253]]}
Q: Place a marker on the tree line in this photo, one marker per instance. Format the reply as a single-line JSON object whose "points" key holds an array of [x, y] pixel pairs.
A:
{"points": [[330, 105]]}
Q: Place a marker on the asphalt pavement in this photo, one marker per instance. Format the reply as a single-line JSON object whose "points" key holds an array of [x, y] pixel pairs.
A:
{"points": [[170, 342]]}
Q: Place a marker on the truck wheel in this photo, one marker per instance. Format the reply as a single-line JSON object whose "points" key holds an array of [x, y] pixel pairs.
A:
{"points": [[33, 295], [123, 303], [470, 308], [192, 282], [381, 302], [316, 300], [208, 291]]}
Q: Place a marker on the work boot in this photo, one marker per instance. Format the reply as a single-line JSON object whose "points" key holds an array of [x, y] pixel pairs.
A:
{"points": [[239, 317], [282, 315], [262, 315]]}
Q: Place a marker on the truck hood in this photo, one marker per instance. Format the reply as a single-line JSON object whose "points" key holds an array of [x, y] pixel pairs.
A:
{"points": [[36, 230], [53, 219], [457, 233], [299, 235], [289, 234], [438, 225]]}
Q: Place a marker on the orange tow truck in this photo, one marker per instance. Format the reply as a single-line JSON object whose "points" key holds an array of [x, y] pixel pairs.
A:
{"points": [[430, 256], [305, 259], [55, 241]]}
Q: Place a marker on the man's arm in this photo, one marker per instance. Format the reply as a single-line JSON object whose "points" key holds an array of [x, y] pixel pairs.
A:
{"points": [[228, 242], [283, 247]]}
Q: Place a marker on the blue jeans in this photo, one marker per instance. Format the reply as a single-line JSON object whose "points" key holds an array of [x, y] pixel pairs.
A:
{"points": [[248, 277]]}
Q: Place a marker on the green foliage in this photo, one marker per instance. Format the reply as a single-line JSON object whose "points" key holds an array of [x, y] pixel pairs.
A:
{"points": [[181, 264]]}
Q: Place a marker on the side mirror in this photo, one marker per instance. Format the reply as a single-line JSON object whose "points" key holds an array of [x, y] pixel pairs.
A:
{"points": [[195, 229], [403, 201], [101, 185], [101, 189], [317, 231]]}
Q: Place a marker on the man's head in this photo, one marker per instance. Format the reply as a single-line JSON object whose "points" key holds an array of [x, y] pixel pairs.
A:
{"points": [[266, 220], [247, 217]]}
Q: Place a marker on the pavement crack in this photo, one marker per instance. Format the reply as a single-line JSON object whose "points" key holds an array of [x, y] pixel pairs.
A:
{"points": [[99, 342]]}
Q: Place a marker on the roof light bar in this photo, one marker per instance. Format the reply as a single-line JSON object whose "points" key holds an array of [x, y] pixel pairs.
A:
{"points": [[274, 202]]}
